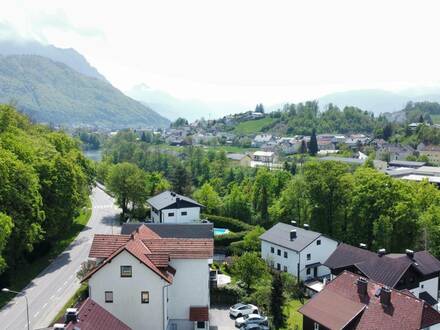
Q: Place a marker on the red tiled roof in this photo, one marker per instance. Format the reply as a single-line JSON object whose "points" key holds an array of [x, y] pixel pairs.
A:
{"points": [[188, 248], [341, 296], [198, 313], [104, 245], [91, 316]]}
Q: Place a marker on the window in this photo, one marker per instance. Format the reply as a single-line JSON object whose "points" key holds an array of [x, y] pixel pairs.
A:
{"points": [[279, 252], [272, 250], [145, 297], [108, 296], [318, 242], [278, 266], [285, 268], [315, 326], [309, 256], [125, 271], [285, 254], [308, 271], [200, 324], [171, 214], [183, 213]]}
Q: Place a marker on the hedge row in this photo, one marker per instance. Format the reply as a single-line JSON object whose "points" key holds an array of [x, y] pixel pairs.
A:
{"points": [[227, 239], [229, 223]]}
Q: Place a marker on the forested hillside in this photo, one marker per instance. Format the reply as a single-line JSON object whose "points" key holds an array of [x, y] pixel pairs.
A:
{"points": [[44, 183], [52, 92]]}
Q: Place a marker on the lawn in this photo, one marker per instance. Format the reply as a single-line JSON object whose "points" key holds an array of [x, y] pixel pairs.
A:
{"points": [[27, 272], [293, 317], [252, 126], [435, 119]]}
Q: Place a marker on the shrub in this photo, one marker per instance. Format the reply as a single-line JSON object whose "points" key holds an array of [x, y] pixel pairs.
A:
{"points": [[229, 223], [227, 239]]}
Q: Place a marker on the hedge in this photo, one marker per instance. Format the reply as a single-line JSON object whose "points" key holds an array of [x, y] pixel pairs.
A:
{"points": [[227, 239], [229, 223]]}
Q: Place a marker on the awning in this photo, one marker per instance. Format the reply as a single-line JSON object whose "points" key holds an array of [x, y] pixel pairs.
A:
{"points": [[315, 264], [198, 314], [428, 298]]}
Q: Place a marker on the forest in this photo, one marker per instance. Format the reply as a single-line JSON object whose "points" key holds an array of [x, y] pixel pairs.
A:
{"points": [[45, 181], [354, 205]]}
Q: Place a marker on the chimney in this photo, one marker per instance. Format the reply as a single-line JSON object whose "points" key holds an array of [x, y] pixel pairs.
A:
{"points": [[293, 223], [409, 253], [362, 245], [385, 296], [362, 285], [71, 315], [306, 226], [381, 252], [292, 234]]}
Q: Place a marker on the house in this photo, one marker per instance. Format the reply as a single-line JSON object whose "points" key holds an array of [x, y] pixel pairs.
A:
{"points": [[261, 139], [353, 302], [430, 151], [298, 251], [417, 272], [90, 316], [265, 158], [150, 282], [393, 152], [170, 207], [240, 159], [347, 160]]}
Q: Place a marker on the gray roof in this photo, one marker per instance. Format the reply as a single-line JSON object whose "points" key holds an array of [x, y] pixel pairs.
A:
{"points": [[168, 198], [236, 156], [406, 163], [280, 235], [172, 230], [344, 160]]}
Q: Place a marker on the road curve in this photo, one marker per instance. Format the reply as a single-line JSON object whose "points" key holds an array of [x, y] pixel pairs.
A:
{"points": [[53, 287]]}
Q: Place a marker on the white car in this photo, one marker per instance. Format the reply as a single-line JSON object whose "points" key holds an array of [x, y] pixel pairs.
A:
{"points": [[240, 309], [251, 319]]}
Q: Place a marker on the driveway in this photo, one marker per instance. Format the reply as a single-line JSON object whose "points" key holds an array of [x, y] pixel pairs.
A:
{"points": [[219, 318], [52, 288]]}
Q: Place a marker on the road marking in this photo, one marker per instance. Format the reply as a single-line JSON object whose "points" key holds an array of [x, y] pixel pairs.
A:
{"points": [[44, 305], [59, 289], [53, 297], [65, 283], [71, 276], [25, 326], [36, 314]]}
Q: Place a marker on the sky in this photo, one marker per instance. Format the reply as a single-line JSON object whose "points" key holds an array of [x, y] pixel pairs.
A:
{"points": [[242, 51]]}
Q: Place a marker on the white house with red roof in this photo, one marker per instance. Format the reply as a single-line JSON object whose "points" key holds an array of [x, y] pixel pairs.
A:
{"points": [[150, 282]]}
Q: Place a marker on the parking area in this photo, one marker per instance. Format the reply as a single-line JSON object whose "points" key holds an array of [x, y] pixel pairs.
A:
{"points": [[219, 318]]}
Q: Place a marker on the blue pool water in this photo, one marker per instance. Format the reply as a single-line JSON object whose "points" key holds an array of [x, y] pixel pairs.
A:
{"points": [[220, 231]]}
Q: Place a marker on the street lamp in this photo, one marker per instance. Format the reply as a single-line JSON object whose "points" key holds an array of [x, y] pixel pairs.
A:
{"points": [[27, 303]]}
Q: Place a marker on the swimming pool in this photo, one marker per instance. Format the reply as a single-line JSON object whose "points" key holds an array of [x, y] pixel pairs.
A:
{"points": [[220, 231]]}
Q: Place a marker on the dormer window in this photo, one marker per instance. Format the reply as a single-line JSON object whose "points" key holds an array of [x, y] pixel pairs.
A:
{"points": [[126, 271]]}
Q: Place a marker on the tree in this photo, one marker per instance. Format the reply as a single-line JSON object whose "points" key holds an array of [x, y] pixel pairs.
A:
{"points": [[303, 147], [85, 268], [277, 301], [128, 183], [179, 122], [249, 268], [180, 179], [208, 197], [6, 226], [387, 131], [313, 144], [262, 193], [251, 241], [236, 204]]}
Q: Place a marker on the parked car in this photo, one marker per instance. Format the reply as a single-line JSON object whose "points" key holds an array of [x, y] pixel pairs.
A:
{"points": [[254, 326], [240, 309], [251, 319]]}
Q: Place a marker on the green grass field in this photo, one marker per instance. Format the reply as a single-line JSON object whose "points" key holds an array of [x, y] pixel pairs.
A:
{"points": [[27, 272], [435, 119], [293, 317], [252, 126]]}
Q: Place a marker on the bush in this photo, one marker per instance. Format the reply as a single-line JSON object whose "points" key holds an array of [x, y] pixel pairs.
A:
{"points": [[229, 223], [227, 295], [227, 239]]}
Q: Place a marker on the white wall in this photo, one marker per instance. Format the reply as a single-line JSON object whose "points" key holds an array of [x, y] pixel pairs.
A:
{"points": [[193, 214], [190, 287], [319, 253], [127, 304], [430, 286]]}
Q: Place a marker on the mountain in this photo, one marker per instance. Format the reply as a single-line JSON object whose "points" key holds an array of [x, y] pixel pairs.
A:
{"points": [[381, 101], [172, 107], [69, 56], [52, 92]]}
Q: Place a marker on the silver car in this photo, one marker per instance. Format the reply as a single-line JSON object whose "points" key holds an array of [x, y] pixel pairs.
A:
{"points": [[251, 319], [253, 326]]}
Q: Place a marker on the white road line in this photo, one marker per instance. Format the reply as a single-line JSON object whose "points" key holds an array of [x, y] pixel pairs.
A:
{"points": [[36, 314], [25, 326], [53, 297], [65, 283], [44, 305], [59, 289]]}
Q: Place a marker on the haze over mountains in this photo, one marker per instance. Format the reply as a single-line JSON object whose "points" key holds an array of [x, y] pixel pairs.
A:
{"points": [[62, 88]]}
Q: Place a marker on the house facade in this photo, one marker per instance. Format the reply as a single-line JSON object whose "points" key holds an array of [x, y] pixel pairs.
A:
{"points": [[417, 272], [430, 151], [170, 207], [150, 282], [298, 251]]}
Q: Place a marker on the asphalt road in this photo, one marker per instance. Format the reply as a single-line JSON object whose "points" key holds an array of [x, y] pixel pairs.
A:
{"points": [[51, 289]]}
